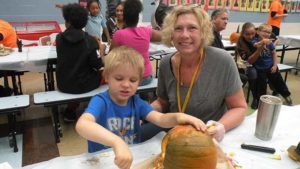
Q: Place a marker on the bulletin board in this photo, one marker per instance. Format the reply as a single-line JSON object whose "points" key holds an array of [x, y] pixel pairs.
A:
{"points": [[292, 6]]}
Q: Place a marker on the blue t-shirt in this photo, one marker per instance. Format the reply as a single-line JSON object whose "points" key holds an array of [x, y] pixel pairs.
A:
{"points": [[95, 25], [265, 61], [123, 121]]}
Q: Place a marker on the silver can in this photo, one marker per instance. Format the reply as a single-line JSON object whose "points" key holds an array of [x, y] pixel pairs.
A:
{"points": [[267, 115]]}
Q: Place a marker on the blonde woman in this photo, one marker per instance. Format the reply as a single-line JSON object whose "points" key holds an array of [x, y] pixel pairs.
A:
{"points": [[199, 80]]}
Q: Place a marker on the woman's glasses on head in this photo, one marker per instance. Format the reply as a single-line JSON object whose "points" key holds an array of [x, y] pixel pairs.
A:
{"points": [[265, 31]]}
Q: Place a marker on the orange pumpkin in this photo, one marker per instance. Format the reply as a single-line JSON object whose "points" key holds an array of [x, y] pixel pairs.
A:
{"points": [[234, 37], [185, 147]]}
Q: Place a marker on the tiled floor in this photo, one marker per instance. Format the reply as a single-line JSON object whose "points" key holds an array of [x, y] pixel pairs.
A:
{"points": [[39, 143]]}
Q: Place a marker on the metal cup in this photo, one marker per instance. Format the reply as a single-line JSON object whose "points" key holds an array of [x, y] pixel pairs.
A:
{"points": [[267, 115]]}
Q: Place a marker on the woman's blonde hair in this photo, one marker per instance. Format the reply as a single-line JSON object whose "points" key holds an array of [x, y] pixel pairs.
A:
{"points": [[123, 55], [203, 20]]}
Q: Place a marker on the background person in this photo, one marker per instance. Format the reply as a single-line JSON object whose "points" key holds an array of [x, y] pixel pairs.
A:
{"points": [[219, 19], [117, 22], [263, 58], [96, 24], [276, 15], [77, 59], [8, 38], [8, 35], [112, 118], [138, 38], [199, 80]]}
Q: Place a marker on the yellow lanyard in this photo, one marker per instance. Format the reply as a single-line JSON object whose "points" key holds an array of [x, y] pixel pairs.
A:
{"points": [[188, 95]]}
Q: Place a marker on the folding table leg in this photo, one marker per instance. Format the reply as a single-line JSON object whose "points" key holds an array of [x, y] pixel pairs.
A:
{"points": [[20, 85], [45, 82], [15, 86], [12, 131], [57, 127], [297, 60]]}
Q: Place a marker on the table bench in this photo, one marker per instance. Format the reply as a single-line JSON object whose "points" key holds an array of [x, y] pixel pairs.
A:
{"points": [[55, 98], [11, 105], [283, 49]]}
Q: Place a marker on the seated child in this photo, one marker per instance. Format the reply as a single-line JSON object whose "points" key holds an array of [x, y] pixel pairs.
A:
{"points": [[266, 64], [77, 69], [112, 118]]}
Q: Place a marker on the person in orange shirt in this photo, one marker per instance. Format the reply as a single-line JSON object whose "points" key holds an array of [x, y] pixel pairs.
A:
{"points": [[277, 13], [8, 35]]}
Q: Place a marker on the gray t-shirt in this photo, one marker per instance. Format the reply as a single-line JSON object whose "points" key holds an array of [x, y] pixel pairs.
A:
{"points": [[218, 79]]}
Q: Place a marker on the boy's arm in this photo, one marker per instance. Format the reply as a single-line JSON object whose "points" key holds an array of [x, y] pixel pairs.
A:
{"points": [[172, 119], [275, 62], [87, 127]]}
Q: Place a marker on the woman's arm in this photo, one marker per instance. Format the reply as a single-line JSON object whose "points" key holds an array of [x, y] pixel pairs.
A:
{"points": [[254, 56], [275, 15], [156, 36], [237, 108], [160, 105], [113, 44]]}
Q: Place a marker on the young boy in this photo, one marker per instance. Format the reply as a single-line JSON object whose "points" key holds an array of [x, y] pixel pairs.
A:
{"points": [[112, 118], [266, 64]]}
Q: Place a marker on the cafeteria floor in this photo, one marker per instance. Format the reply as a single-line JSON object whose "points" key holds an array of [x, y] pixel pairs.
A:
{"points": [[36, 126]]}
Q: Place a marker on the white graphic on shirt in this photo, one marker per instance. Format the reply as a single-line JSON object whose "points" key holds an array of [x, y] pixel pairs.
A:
{"points": [[124, 127]]}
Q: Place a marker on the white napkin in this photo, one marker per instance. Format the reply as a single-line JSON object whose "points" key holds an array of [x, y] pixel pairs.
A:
{"points": [[5, 165]]}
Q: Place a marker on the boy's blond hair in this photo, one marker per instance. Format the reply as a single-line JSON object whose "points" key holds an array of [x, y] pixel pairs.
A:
{"points": [[122, 55], [265, 26]]}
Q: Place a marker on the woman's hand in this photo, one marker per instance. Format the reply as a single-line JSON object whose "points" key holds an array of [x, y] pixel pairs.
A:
{"points": [[123, 156], [216, 130], [194, 121]]}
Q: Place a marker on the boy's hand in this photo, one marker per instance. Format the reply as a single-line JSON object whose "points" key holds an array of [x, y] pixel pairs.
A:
{"points": [[273, 69], [267, 41], [216, 130], [123, 156], [194, 121]]}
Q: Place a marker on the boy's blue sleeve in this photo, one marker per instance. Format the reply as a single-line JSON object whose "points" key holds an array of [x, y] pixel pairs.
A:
{"points": [[271, 46], [144, 108], [96, 107]]}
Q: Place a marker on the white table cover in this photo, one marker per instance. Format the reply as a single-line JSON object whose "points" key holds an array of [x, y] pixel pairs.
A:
{"points": [[287, 133], [291, 40], [30, 59]]}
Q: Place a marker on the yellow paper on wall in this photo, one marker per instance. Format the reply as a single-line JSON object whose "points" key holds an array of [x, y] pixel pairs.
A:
{"points": [[265, 5], [257, 5]]}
